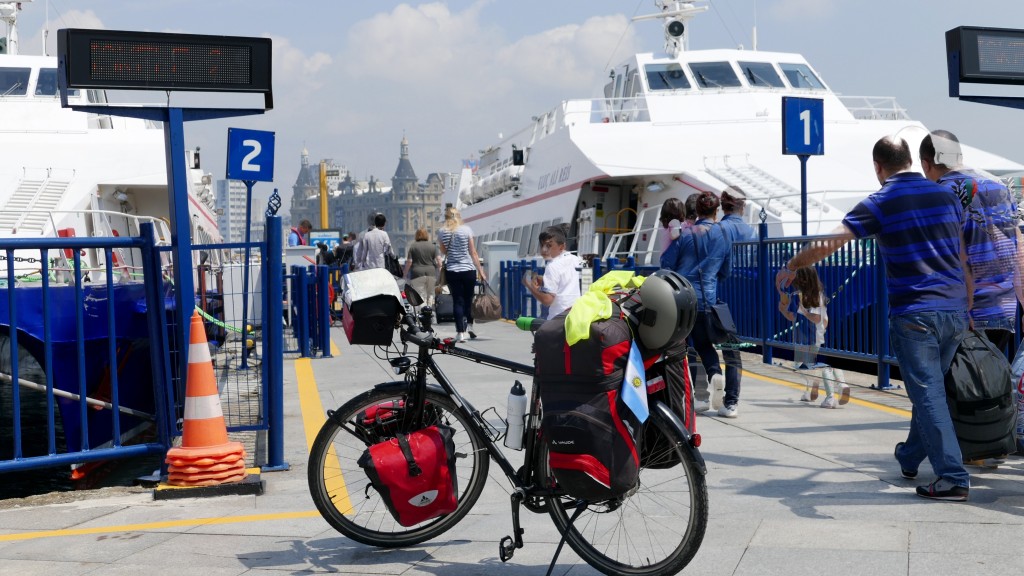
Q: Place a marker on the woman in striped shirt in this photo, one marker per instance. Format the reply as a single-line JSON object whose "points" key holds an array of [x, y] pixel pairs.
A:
{"points": [[461, 264]]}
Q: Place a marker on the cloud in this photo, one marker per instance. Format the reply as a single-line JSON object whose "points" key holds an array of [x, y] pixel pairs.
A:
{"points": [[68, 19]]}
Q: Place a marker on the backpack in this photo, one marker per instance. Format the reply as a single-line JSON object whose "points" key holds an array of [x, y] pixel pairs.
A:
{"points": [[593, 438], [979, 393], [414, 474]]}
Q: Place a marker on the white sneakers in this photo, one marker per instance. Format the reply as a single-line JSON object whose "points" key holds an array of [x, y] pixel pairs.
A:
{"points": [[460, 337], [829, 402], [728, 412], [700, 406], [717, 391]]}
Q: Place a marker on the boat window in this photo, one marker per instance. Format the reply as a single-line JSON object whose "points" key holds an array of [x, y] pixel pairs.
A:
{"points": [[14, 81], [801, 76], [517, 234], [714, 75], [46, 84], [534, 232], [524, 241], [666, 77], [761, 74]]}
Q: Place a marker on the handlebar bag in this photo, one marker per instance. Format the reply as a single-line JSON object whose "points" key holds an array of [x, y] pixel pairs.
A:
{"points": [[593, 438], [414, 474]]}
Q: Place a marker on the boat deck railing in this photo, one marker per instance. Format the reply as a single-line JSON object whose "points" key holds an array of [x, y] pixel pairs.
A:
{"points": [[875, 108]]}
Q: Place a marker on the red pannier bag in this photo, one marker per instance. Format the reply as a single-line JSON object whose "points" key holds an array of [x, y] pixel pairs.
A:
{"points": [[414, 474]]}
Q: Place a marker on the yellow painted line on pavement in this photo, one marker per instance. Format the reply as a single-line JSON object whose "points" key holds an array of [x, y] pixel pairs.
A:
{"points": [[857, 401], [194, 522], [313, 417], [335, 351]]}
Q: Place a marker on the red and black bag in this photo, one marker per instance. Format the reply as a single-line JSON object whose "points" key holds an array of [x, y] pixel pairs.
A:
{"points": [[668, 382], [593, 438], [414, 474]]}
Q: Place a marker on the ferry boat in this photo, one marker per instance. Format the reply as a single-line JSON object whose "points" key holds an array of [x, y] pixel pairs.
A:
{"points": [[64, 174], [671, 124]]}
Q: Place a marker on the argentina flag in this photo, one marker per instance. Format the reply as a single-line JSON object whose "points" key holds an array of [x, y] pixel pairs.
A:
{"points": [[634, 385]]}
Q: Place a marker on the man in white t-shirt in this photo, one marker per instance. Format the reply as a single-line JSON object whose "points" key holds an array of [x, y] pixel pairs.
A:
{"points": [[559, 288]]}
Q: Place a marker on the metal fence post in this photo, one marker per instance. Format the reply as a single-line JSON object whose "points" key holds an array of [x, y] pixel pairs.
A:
{"points": [[764, 273], [273, 345], [881, 320], [323, 277], [165, 417], [302, 309]]}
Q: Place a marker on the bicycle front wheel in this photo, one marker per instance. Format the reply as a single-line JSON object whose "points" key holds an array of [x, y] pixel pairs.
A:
{"points": [[653, 531], [342, 491]]}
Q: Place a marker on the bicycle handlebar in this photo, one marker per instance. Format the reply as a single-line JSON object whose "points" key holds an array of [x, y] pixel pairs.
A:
{"points": [[529, 323]]}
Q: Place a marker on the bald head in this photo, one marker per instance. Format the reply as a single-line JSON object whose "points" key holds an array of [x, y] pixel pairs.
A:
{"points": [[891, 154]]}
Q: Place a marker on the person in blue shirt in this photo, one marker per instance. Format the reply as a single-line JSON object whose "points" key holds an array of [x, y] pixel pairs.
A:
{"points": [[701, 254], [991, 236], [917, 225], [736, 230], [297, 237]]}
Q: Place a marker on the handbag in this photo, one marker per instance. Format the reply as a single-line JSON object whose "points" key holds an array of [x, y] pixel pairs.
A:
{"points": [[486, 306], [441, 279], [392, 265], [718, 322]]}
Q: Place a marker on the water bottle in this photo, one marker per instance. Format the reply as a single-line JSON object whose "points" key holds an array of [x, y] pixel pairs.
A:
{"points": [[516, 417]]}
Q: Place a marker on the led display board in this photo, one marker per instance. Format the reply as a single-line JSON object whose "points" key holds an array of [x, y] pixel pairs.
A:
{"points": [[986, 55], [114, 59]]}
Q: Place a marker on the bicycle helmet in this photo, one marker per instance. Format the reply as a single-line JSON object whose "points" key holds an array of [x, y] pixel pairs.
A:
{"points": [[669, 309]]}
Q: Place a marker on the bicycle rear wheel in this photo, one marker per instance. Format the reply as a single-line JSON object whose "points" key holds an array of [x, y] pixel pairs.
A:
{"points": [[653, 531], [342, 491]]}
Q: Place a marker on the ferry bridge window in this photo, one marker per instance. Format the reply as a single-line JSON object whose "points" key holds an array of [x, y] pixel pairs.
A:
{"points": [[666, 77], [14, 81], [714, 75], [761, 74], [801, 76], [46, 85]]}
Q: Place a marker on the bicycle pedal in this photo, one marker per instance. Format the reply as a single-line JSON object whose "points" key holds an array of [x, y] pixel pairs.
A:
{"points": [[506, 548]]}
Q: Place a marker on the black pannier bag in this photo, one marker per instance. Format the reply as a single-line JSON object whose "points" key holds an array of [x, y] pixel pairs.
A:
{"points": [[593, 438], [414, 474], [979, 392], [668, 381]]}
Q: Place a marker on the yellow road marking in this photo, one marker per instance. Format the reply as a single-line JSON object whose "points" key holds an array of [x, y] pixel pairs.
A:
{"points": [[158, 525], [857, 401], [335, 351], [313, 417]]}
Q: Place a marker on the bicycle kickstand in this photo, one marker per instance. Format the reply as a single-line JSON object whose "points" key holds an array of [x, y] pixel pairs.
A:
{"points": [[508, 544]]}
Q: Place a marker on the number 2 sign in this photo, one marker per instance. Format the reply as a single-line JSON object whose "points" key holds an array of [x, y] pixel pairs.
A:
{"points": [[250, 155], [803, 126]]}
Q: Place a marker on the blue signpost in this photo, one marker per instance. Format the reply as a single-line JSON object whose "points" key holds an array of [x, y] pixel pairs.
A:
{"points": [[250, 159], [803, 135]]}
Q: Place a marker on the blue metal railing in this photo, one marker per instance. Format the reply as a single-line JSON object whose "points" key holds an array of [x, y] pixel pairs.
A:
{"points": [[853, 279], [47, 319]]}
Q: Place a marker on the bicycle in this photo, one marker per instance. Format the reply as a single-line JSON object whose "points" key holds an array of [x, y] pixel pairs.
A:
{"points": [[655, 529]]}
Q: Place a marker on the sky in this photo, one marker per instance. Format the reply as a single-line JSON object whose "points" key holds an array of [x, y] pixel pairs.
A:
{"points": [[352, 77]]}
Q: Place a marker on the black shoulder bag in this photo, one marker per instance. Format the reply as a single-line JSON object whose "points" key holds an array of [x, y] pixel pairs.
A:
{"points": [[718, 322]]}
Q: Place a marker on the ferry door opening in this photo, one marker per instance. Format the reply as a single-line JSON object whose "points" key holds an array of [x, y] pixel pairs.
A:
{"points": [[604, 204]]}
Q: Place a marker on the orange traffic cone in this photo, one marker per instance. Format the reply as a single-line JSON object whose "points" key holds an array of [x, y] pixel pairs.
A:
{"points": [[205, 457]]}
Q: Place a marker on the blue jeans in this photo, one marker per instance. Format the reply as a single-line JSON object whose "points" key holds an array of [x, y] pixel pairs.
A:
{"points": [[709, 359], [461, 286], [924, 343]]}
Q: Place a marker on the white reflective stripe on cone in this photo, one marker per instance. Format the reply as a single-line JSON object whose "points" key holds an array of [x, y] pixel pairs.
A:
{"points": [[198, 353], [202, 407]]}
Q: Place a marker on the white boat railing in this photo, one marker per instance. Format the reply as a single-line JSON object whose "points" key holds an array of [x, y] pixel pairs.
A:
{"points": [[875, 108]]}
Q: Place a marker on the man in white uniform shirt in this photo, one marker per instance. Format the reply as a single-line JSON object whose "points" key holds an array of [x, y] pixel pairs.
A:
{"points": [[559, 288]]}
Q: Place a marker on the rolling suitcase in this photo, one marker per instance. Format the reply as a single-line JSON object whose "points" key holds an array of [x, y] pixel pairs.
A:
{"points": [[444, 308], [979, 392]]}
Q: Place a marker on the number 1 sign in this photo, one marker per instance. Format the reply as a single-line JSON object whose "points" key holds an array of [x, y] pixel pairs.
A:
{"points": [[803, 126], [250, 155]]}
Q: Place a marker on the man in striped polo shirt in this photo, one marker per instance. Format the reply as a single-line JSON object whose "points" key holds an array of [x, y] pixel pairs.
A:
{"points": [[917, 225]]}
